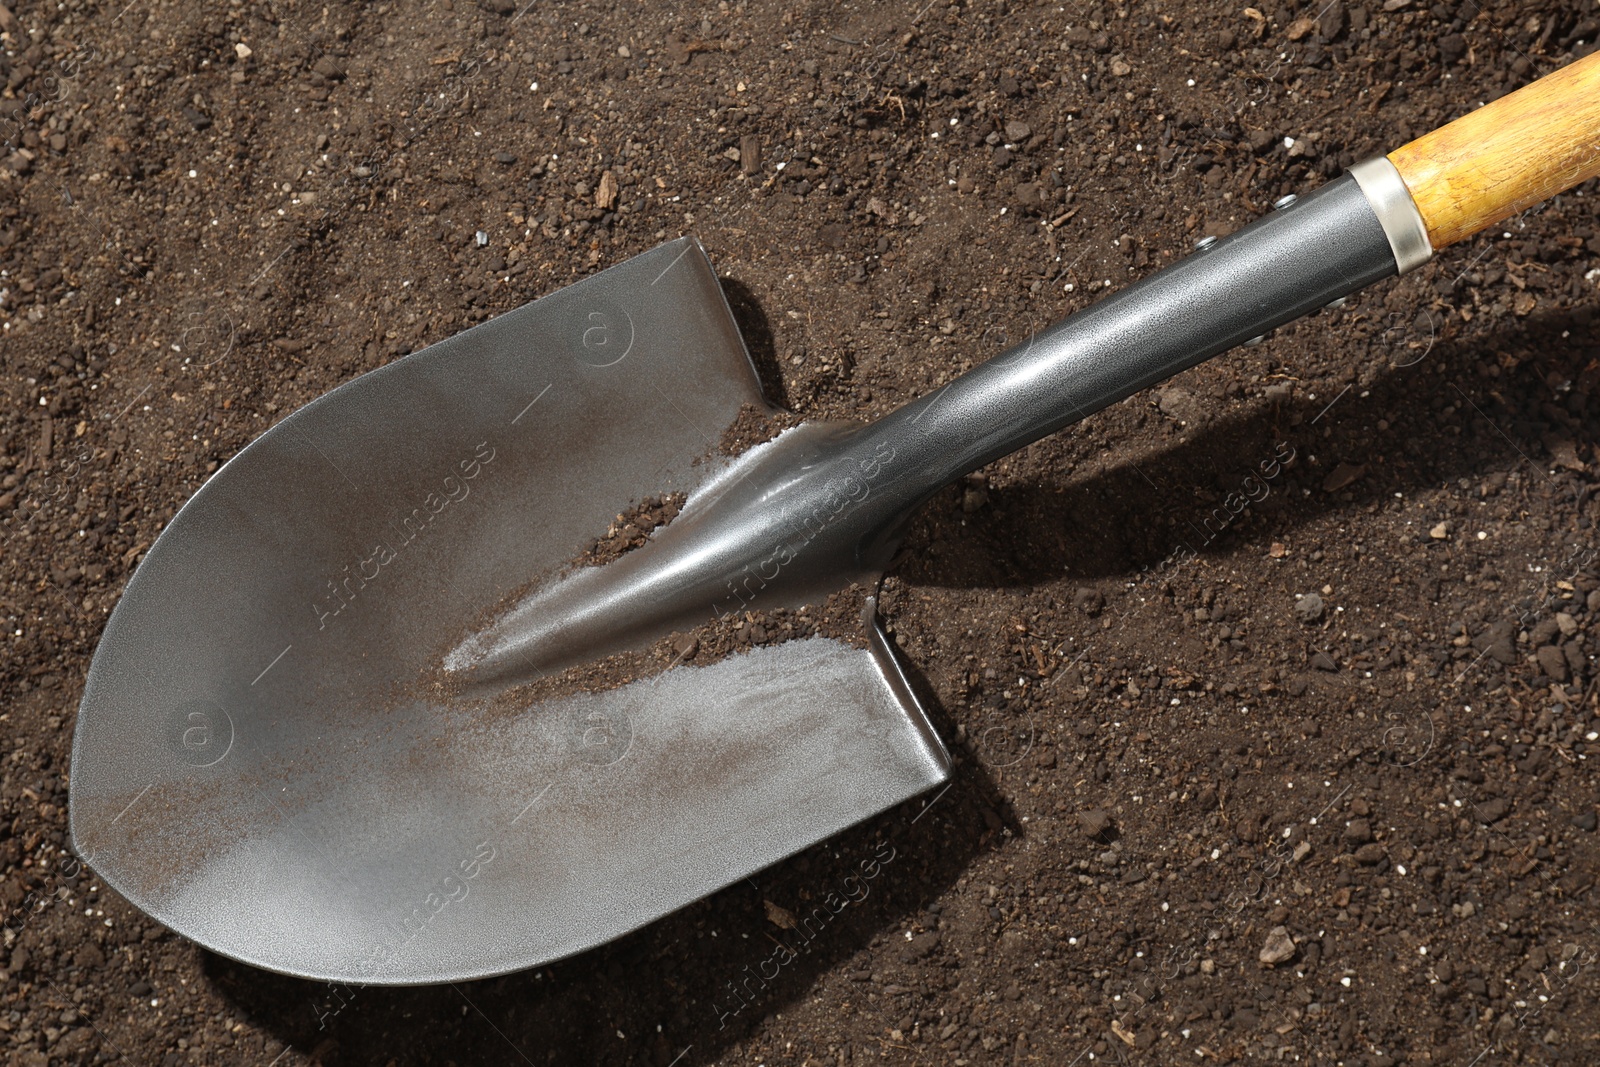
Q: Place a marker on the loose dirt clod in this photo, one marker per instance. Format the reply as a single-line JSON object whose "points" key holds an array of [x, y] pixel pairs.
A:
{"points": [[1308, 609], [754, 426], [632, 529]]}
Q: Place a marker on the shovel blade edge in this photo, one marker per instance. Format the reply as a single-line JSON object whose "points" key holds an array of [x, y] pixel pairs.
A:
{"points": [[583, 820]]}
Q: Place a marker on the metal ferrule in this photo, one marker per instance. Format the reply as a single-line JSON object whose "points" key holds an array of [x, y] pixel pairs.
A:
{"points": [[1397, 212]]}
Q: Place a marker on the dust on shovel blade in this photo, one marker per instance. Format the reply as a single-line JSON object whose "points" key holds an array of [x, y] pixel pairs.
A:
{"points": [[262, 764]]}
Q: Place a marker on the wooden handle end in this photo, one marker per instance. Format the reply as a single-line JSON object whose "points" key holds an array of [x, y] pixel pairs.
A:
{"points": [[1507, 156]]}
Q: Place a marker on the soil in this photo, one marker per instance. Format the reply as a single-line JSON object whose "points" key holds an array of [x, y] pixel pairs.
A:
{"points": [[842, 616], [752, 427], [1272, 692], [632, 529]]}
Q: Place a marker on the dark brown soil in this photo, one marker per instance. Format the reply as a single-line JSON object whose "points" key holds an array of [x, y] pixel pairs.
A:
{"points": [[753, 427], [1344, 727], [841, 617], [632, 529]]}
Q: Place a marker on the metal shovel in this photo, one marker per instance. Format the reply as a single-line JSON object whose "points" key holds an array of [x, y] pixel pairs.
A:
{"points": [[339, 724]]}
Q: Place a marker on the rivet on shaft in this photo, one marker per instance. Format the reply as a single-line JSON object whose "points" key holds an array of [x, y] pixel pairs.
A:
{"points": [[1283, 202], [1204, 243], [1255, 341]]}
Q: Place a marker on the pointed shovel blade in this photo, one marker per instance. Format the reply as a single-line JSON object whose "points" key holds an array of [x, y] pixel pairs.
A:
{"points": [[261, 764]]}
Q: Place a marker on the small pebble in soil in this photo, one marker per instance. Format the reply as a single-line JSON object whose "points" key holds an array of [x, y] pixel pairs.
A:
{"points": [[1279, 947]]}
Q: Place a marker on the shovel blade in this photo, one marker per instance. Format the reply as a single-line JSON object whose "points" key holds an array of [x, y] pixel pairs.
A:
{"points": [[260, 763]]}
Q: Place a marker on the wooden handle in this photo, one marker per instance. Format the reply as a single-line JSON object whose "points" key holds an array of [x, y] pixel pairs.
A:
{"points": [[1516, 152]]}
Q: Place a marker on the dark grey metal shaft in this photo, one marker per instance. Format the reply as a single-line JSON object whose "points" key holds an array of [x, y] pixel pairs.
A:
{"points": [[1280, 267], [818, 507]]}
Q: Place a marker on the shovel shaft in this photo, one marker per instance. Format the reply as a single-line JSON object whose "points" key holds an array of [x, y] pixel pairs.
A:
{"points": [[1385, 217], [1286, 264], [803, 515], [812, 512]]}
